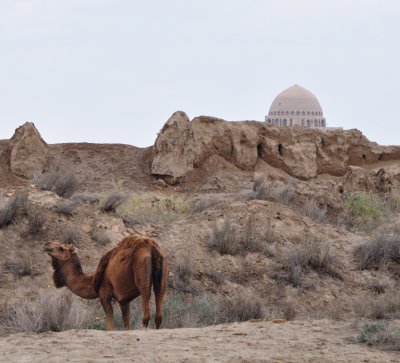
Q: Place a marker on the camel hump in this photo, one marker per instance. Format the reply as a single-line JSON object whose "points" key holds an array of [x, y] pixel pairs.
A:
{"points": [[157, 261], [100, 271]]}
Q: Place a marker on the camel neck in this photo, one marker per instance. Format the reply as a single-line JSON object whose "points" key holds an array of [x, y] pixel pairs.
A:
{"points": [[79, 283]]}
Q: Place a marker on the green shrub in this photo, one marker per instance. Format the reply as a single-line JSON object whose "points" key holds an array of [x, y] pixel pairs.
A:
{"points": [[364, 211]]}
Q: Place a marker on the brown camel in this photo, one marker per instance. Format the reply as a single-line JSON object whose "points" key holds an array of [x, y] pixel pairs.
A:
{"points": [[123, 273]]}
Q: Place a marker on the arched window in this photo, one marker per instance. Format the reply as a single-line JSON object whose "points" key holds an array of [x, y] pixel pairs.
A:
{"points": [[303, 113], [308, 113], [287, 113], [284, 122], [315, 123], [308, 123], [302, 122], [297, 113], [269, 120], [312, 113], [323, 123], [291, 122]]}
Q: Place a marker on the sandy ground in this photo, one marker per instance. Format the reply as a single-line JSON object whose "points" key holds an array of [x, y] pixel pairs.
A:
{"points": [[298, 341]]}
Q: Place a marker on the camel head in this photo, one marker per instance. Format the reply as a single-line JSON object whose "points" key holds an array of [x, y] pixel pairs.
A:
{"points": [[61, 256], [60, 252]]}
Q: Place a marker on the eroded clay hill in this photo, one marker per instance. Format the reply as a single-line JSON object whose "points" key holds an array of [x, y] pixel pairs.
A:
{"points": [[272, 192]]}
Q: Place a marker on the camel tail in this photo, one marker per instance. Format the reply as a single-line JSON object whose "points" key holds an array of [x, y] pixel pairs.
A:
{"points": [[159, 269], [101, 269]]}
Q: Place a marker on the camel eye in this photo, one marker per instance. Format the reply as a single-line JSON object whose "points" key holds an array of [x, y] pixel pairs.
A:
{"points": [[61, 248]]}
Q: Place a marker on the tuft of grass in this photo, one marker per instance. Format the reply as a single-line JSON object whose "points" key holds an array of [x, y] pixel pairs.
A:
{"points": [[315, 211], [8, 211], [381, 249], [240, 308], [64, 184], [223, 239], [71, 236], [154, 208], [47, 313], [36, 222], [23, 266], [203, 204], [85, 198], [101, 238], [66, 208], [183, 271], [309, 255], [112, 201], [262, 189], [287, 194], [383, 306]]}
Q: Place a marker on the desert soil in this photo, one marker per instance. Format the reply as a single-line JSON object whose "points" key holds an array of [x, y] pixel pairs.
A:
{"points": [[259, 341]]}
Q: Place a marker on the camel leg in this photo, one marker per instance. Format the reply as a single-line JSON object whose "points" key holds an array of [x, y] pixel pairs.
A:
{"points": [[143, 283], [159, 302], [108, 309], [125, 310]]}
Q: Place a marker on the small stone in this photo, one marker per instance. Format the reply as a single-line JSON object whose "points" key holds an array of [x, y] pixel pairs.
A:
{"points": [[161, 183]]}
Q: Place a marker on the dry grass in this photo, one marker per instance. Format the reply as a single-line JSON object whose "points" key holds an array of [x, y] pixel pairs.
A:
{"points": [[308, 255], [287, 194], [154, 208], [382, 306], [8, 211], [223, 239], [315, 211], [22, 266], [381, 249], [47, 313], [240, 308], [262, 189], [88, 198], [36, 221], [203, 204], [101, 238], [63, 184], [66, 208], [112, 201], [183, 270], [71, 236]]}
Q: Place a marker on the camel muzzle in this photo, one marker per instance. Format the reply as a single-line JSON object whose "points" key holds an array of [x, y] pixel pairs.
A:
{"points": [[47, 248]]}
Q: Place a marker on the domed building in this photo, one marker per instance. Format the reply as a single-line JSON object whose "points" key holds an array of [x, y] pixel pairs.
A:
{"points": [[296, 106]]}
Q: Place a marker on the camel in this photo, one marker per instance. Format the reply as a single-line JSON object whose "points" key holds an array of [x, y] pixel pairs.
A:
{"points": [[123, 273]]}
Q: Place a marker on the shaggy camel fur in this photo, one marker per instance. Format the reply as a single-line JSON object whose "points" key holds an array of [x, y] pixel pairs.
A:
{"points": [[123, 273]]}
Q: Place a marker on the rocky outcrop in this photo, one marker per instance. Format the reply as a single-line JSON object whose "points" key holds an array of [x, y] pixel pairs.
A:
{"points": [[183, 145], [27, 151]]}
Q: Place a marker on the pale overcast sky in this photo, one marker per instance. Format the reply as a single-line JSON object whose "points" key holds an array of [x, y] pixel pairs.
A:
{"points": [[115, 70]]}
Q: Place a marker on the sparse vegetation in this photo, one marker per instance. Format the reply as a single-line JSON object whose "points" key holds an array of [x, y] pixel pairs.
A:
{"points": [[47, 313], [383, 306], [64, 184], [23, 266], [101, 237], [287, 194], [71, 236], [240, 308], [380, 335], [112, 201], [183, 271], [154, 208], [312, 255], [364, 211], [262, 189], [85, 198], [223, 239], [65, 208], [203, 204], [8, 211], [36, 220], [381, 249], [314, 210]]}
